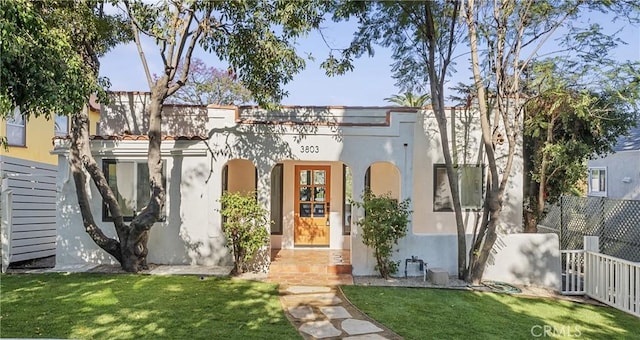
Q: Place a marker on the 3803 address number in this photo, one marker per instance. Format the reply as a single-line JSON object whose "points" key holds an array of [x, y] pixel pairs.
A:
{"points": [[309, 149]]}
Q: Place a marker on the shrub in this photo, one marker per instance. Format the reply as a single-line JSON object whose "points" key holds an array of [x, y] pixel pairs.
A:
{"points": [[384, 223], [245, 227]]}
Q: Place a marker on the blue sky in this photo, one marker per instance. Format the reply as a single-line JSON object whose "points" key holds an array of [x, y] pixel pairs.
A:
{"points": [[367, 85]]}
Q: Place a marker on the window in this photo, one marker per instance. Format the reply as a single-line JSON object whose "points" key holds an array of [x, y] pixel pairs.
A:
{"points": [[470, 186], [598, 181], [129, 181], [61, 125], [16, 129]]}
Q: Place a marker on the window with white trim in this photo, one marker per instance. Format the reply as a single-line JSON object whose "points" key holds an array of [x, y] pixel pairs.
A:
{"points": [[129, 181], [61, 125], [16, 129], [598, 181], [470, 186]]}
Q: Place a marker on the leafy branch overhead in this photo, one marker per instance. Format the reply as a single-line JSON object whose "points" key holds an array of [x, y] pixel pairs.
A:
{"points": [[255, 38], [43, 69]]}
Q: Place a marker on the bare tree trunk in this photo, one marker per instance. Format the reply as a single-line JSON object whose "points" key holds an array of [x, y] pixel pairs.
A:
{"points": [[493, 205], [79, 158], [436, 82], [134, 249]]}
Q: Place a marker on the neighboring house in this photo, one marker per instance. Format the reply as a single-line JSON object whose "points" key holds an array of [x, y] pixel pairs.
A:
{"points": [[306, 164], [28, 172], [617, 175]]}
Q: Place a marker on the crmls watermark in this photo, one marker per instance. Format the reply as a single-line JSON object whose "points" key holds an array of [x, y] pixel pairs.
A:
{"points": [[548, 331]]}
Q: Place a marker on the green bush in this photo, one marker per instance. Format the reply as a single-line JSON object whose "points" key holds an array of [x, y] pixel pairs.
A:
{"points": [[384, 223], [245, 225]]}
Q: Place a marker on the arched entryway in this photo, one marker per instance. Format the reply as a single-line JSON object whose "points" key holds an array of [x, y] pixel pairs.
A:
{"points": [[383, 178], [239, 175]]}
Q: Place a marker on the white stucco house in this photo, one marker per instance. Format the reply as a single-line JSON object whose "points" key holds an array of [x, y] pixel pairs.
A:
{"points": [[306, 164], [617, 175]]}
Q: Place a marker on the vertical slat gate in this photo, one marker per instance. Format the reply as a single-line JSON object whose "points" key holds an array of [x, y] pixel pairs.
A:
{"points": [[613, 281], [573, 280]]}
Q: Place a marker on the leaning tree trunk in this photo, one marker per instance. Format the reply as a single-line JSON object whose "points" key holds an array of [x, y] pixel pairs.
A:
{"points": [[134, 248], [436, 83], [80, 158], [481, 249], [130, 249], [484, 241]]}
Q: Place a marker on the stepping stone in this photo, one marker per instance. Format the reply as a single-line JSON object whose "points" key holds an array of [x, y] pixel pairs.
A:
{"points": [[320, 329], [365, 337], [353, 326], [302, 313], [312, 299], [335, 312], [308, 289]]}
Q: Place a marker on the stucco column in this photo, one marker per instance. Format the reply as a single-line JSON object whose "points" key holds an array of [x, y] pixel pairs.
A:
{"points": [[405, 166], [264, 184], [361, 256], [263, 188]]}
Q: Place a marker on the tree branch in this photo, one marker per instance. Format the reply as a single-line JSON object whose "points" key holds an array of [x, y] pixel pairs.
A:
{"points": [[136, 36], [185, 68], [77, 153]]}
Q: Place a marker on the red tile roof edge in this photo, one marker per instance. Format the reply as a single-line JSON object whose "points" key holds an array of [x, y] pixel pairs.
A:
{"points": [[135, 137]]}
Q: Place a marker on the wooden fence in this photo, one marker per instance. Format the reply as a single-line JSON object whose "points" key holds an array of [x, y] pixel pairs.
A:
{"points": [[611, 280], [28, 209]]}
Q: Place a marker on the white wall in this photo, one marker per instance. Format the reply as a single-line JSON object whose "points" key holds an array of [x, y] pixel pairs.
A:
{"points": [[404, 144], [188, 236], [121, 116], [526, 259], [623, 174]]}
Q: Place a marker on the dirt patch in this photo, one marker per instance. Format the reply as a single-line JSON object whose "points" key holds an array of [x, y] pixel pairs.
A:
{"points": [[41, 263]]}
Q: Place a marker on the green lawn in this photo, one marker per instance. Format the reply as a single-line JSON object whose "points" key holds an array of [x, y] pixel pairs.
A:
{"points": [[447, 314], [86, 306]]}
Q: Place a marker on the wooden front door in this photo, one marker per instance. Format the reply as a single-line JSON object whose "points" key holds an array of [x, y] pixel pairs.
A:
{"points": [[312, 197]]}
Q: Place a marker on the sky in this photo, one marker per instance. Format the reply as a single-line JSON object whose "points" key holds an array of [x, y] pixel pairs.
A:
{"points": [[367, 85]]}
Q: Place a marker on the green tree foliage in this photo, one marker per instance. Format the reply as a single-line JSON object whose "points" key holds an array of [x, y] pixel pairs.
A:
{"points": [[504, 38], [384, 223], [49, 55], [409, 99], [209, 85], [42, 70], [246, 227], [567, 122], [501, 38]]}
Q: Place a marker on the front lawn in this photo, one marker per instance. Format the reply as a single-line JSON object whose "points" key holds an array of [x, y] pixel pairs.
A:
{"points": [[418, 313], [87, 306]]}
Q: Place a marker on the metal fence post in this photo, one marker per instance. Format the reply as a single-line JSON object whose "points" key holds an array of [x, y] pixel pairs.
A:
{"points": [[563, 244]]}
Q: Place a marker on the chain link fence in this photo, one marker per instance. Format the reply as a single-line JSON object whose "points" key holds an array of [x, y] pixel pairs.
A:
{"points": [[615, 222]]}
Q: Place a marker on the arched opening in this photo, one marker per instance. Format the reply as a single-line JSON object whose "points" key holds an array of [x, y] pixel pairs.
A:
{"points": [[383, 178], [239, 175]]}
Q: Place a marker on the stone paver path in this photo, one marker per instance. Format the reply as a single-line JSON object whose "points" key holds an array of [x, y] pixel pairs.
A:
{"points": [[322, 312]]}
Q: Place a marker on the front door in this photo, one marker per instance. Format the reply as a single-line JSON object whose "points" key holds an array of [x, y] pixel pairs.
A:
{"points": [[312, 205]]}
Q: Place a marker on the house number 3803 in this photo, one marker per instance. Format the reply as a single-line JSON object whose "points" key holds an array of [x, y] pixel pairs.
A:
{"points": [[309, 149]]}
